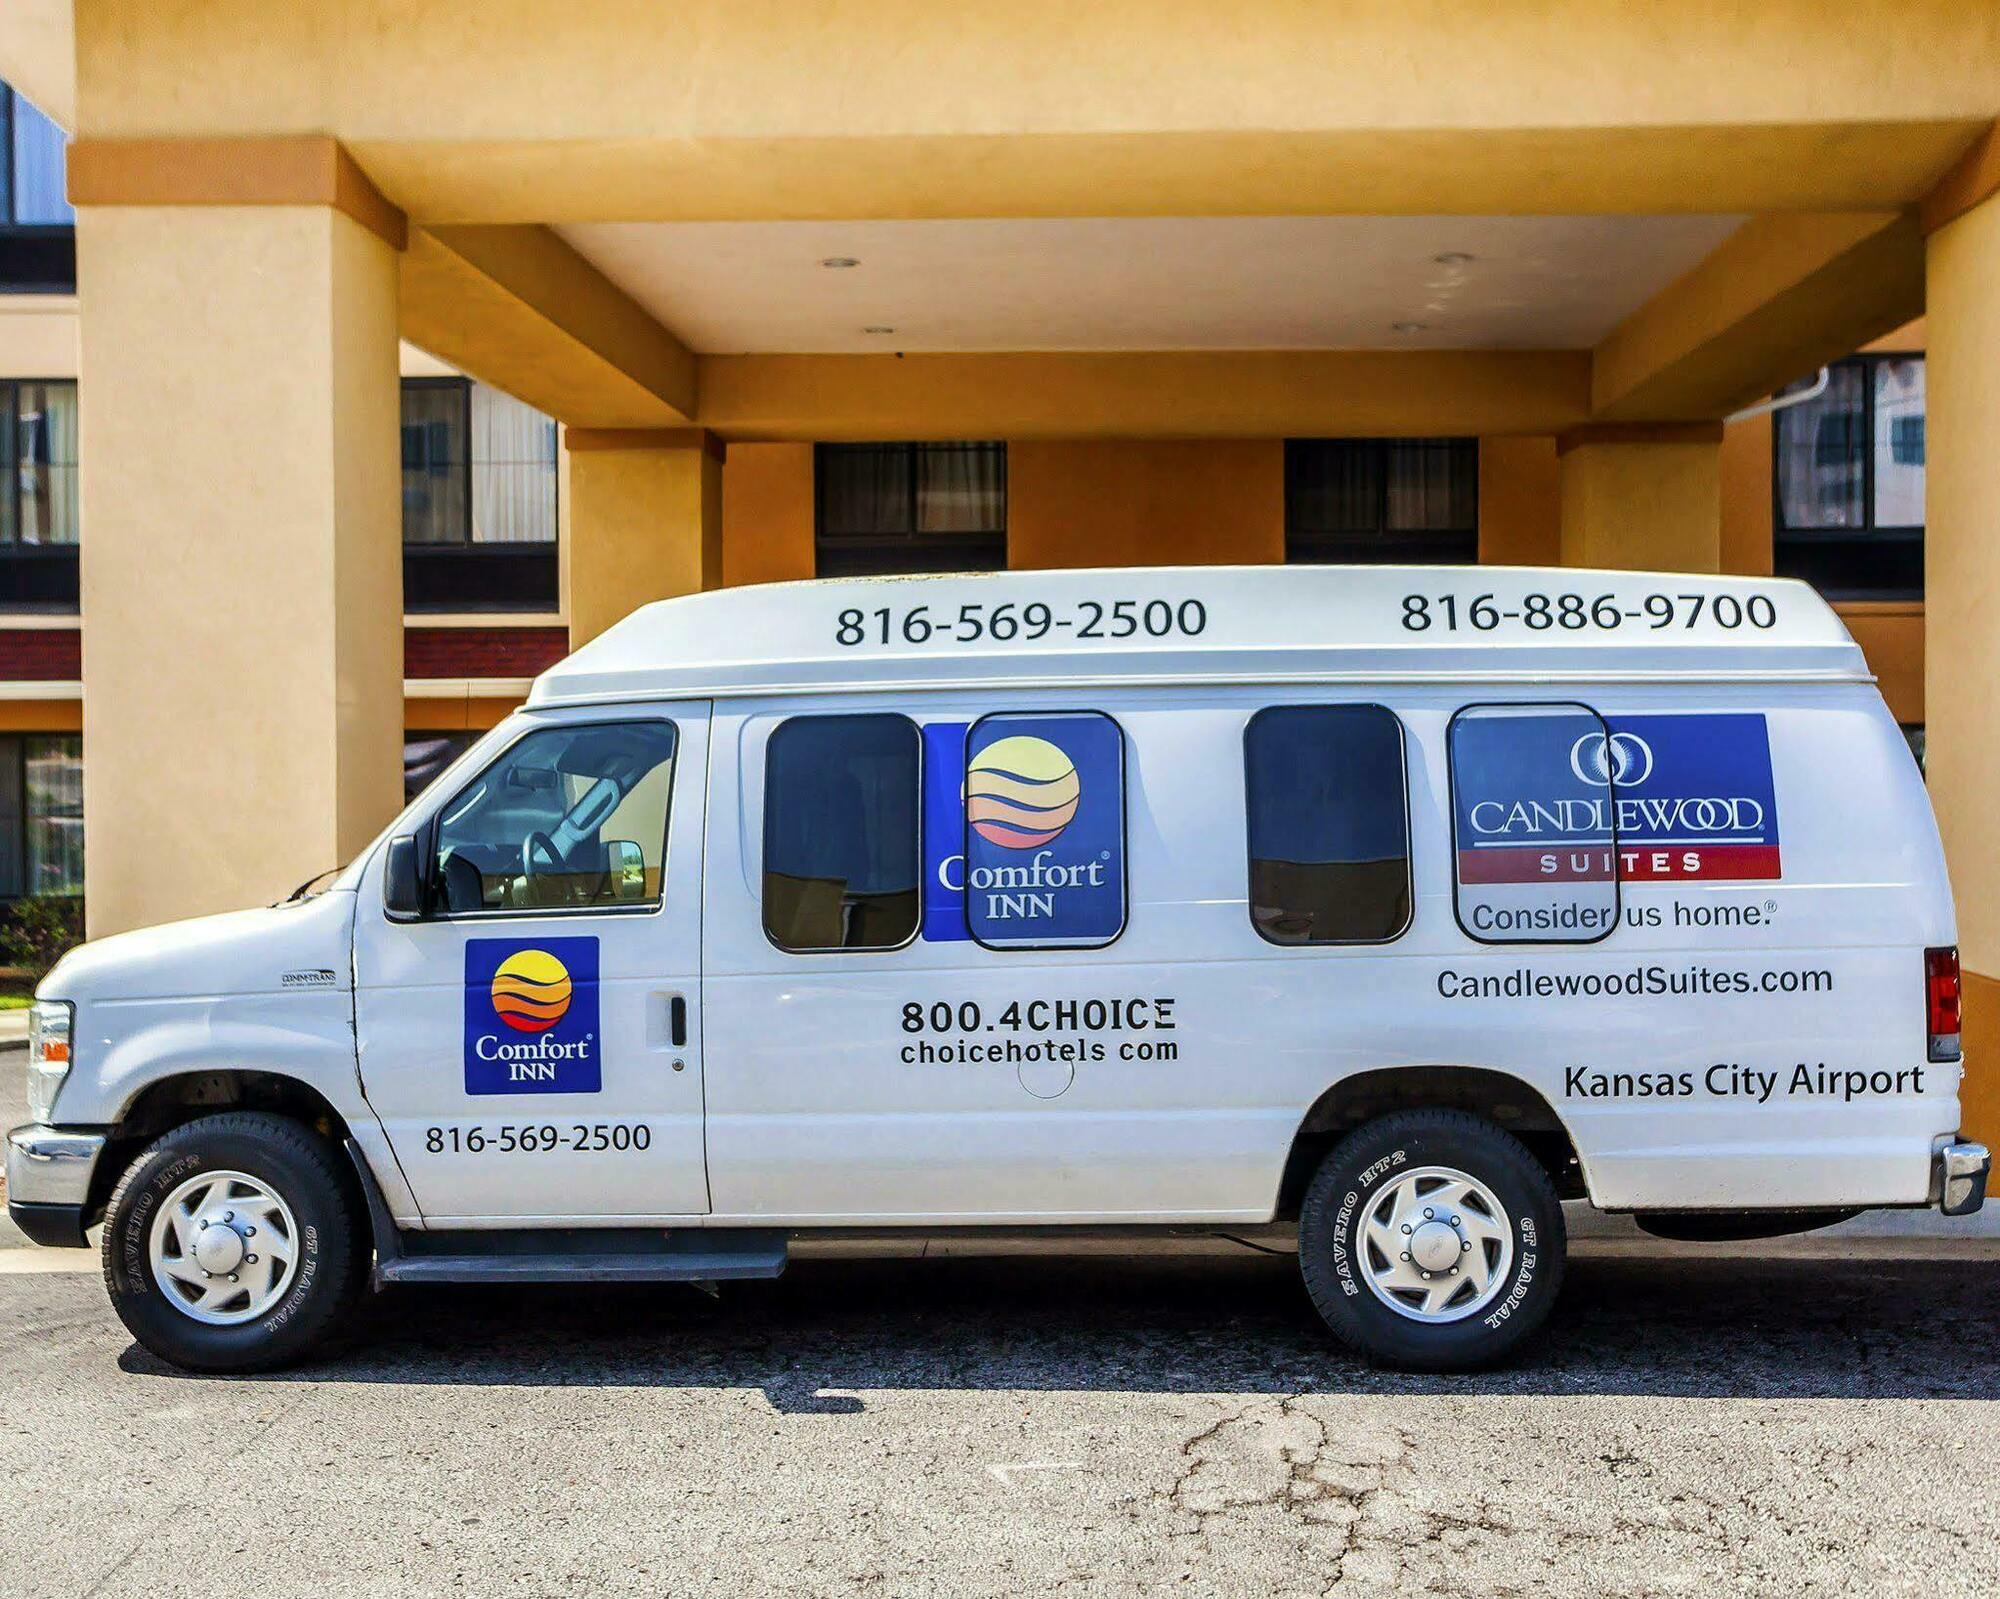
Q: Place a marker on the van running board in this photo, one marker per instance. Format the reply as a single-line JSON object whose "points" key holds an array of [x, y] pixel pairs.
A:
{"points": [[692, 1257], [570, 1255]]}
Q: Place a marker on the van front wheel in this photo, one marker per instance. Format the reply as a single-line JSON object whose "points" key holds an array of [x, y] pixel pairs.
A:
{"points": [[232, 1244], [1432, 1240]]}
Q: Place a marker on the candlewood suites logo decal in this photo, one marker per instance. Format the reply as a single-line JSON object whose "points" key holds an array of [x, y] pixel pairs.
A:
{"points": [[531, 1016], [1688, 798], [1024, 830]]}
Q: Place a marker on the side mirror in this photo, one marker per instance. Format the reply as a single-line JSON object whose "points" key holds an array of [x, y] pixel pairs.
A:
{"points": [[402, 879], [626, 863]]}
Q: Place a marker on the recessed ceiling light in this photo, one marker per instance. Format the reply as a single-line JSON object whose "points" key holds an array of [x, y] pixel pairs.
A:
{"points": [[878, 328], [1451, 258], [1407, 327], [839, 263]]}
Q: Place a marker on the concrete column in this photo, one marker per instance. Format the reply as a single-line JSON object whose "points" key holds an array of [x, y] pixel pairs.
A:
{"points": [[1642, 497], [1962, 622], [645, 521], [242, 559]]}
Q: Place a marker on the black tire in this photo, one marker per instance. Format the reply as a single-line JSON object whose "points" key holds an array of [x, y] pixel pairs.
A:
{"points": [[327, 1278], [1353, 1175]]}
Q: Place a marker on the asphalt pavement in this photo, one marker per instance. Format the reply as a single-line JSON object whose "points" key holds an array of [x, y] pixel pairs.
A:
{"points": [[1807, 1418]]}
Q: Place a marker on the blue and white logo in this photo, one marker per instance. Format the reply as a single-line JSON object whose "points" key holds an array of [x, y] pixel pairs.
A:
{"points": [[1024, 820], [531, 1020]]}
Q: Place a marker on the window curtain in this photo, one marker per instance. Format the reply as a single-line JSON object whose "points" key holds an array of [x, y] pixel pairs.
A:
{"points": [[13, 870], [434, 427], [54, 773], [1899, 442], [39, 147], [864, 491], [1429, 488], [961, 488], [1821, 466], [513, 471], [10, 438], [1334, 487], [45, 452]]}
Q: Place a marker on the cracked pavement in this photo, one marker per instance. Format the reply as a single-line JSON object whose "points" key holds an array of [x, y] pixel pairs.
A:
{"points": [[1810, 1420]]}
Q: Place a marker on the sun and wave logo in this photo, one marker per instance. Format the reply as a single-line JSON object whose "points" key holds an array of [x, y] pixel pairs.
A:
{"points": [[1021, 792], [531, 991]]}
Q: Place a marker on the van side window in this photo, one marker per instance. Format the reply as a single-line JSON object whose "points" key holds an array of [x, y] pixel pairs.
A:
{"points": [[569, 818], [1329, 824], [840, 833], [1045, 830], [1534, 824]]}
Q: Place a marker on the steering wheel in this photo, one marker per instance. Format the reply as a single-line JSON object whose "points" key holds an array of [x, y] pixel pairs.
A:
{"points": [[539, 843]]}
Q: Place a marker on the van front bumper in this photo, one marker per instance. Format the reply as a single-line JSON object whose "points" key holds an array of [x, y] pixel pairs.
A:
{"points": [[1958, 1185], [48, 1183]]}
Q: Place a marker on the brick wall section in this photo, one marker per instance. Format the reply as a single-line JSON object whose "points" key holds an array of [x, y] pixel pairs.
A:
{"points": [[55, 654], [433, 652], [41, 654]]}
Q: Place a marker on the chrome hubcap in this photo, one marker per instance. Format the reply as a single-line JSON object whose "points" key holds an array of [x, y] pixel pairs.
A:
{"points": [[224, 1247], [1436, 1245]]}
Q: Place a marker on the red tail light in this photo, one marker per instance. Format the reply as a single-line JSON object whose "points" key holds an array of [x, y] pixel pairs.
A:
{"points": [[1941, 1001]]}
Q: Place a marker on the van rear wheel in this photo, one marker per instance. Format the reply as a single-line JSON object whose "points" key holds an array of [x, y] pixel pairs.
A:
{"points": [[1432, 1240], [233, 1244]]}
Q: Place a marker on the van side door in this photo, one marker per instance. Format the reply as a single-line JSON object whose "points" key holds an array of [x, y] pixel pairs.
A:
{"points": [[532, 1041]]}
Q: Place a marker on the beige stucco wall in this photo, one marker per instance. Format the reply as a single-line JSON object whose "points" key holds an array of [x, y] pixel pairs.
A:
{"points": [[1962, 598], [767, 513], [1121, 502], [1520, 502], [243, 661], [645, 524], [1642, 506], [38, 336]]}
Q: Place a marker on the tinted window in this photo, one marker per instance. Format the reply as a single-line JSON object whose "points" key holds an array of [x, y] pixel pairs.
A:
{"points": [[1329, 826], [1381, 500], [910, 508], [840, 833], [1534, 823], [569, 818]]}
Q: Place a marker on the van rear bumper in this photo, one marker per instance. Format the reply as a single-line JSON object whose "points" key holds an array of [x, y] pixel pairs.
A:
{"points": [[1958, 1178]]}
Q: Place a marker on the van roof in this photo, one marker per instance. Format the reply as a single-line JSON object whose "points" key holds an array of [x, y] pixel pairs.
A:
{"points": [[1212, 624]]}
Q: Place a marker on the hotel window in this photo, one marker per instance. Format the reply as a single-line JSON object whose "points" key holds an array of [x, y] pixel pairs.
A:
{"points": [[1848, 479], [37, 226], [479, 500], [38, 496], [426, 755], [885, 508], [1382, 500], [41, 814]]}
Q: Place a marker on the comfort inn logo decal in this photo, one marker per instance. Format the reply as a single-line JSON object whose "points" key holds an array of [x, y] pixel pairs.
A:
{"points": [[531, 991], [531, 1022], [1020, 792]]}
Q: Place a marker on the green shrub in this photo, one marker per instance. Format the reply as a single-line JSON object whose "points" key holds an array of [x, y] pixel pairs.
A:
{"points": [[35, 933]]}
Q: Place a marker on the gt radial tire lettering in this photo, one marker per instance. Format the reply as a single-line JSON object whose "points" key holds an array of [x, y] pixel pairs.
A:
{"points": [[1523, 1281], [308, 1268]]}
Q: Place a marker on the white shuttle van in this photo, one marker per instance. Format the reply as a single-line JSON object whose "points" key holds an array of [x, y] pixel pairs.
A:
{"points": [[1387, 907]]}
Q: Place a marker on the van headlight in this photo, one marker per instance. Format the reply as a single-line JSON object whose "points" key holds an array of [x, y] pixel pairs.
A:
{"points": [[49, 1028]]}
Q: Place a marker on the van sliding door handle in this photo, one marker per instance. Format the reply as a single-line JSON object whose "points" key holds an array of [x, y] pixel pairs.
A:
{"points": [[677, 1021]]}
